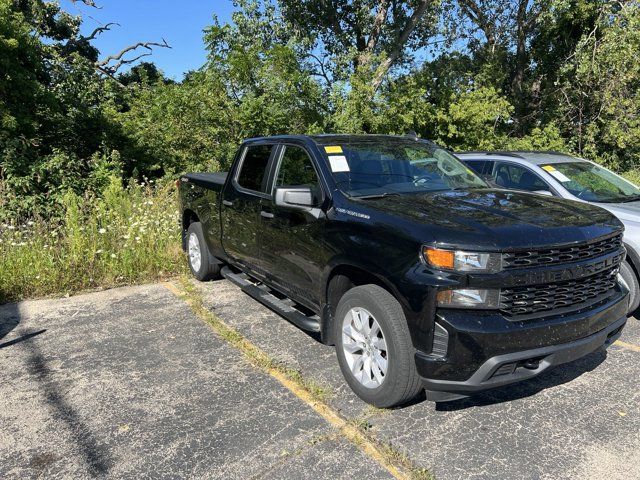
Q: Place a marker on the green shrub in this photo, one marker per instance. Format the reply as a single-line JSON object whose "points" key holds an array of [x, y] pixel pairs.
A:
{"points": [[127, 235], [633, 176]]}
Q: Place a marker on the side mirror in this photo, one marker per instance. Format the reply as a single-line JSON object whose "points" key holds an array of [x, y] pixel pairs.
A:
{"points": [[299, 198], [544, 192]]}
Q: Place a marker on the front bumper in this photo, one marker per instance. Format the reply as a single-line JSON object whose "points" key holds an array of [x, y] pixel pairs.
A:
{"points": [[487, 351]]}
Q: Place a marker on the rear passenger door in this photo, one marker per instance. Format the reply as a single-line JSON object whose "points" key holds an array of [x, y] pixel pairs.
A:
{"points": [[242, 203]]}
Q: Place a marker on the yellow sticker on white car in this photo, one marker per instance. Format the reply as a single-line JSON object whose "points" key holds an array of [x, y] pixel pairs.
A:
{"points": [[333, 149], [549, 168]]}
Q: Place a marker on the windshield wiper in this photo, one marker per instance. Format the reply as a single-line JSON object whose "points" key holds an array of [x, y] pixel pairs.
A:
{"points": [[376, 195]]}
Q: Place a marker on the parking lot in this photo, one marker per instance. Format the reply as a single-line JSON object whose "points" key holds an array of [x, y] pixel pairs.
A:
{"points": [[130, 382]]}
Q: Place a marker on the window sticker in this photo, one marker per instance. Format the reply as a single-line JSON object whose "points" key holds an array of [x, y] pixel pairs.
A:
{"points": [[338, 163], [561, 177], [333, 149], [549, 168]]}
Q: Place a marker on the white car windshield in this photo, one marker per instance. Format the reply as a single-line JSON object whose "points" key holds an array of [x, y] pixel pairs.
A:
{"points": [[593, 183]]}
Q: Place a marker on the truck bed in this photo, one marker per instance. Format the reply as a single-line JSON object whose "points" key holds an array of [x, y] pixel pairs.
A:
{"points": [[212, 181]]}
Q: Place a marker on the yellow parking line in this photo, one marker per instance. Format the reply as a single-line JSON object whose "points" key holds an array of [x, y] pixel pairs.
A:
{"points": [[369, 446], [171, 287], [628, 346]]}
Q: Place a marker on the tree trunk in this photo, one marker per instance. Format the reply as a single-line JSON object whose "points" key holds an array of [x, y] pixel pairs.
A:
{"points": [[398, 47], [521, 64]]}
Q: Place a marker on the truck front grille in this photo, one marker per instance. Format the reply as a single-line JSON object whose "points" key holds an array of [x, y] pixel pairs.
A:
{"points": [[571, 294], [554, 256]]}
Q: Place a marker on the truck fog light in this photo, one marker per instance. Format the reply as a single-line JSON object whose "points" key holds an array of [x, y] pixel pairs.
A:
{"points": [[469, 298]]}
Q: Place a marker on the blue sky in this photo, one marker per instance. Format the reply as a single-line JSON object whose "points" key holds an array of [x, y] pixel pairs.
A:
{"points": [[180, 22]]}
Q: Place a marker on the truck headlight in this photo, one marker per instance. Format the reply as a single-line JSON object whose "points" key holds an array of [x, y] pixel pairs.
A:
{"points": [[459, 261], [469, 298]]}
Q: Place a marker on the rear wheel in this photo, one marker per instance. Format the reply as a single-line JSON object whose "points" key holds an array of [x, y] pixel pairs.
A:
{"points": [[629, 279], [374, 347], [202, 264]]}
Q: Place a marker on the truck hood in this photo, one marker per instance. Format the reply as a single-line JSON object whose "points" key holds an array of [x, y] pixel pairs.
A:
{"points": [[495, 219]]}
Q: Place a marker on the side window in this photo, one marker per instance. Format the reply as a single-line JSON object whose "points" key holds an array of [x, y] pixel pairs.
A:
{"points": [[516, 177], [253, 170], [296, 170], [478, 166]]}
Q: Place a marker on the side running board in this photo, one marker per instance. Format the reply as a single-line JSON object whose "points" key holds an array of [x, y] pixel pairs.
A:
{"points": [[261, 292]]}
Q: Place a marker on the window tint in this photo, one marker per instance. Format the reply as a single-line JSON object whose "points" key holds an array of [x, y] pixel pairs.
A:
{"points": [[296, 169], [519, 178], [254, 167]]}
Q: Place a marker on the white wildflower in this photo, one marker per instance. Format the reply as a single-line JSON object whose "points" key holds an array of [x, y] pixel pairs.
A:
{"points": [[102, 231]]}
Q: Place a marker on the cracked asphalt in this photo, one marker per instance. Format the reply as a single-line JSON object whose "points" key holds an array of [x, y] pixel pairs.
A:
{"points": [[129, 383]]}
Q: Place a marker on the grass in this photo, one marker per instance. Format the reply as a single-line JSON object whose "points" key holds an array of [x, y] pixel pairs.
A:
{"points": [[128, 235]]}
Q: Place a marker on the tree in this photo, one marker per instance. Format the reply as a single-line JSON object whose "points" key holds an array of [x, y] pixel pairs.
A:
{"points": [[372, 34], [600, 88], [57, 130]]}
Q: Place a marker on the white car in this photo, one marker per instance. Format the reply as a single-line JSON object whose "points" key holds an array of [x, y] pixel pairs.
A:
{"points": [[561, 175]]}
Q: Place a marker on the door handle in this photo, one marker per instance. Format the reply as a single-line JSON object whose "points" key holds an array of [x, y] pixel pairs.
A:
{"points": [[227, 203], [266, 214]]}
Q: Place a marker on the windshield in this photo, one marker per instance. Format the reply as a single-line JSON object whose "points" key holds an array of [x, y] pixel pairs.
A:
{"points": [[387, 166], [593, 183]]}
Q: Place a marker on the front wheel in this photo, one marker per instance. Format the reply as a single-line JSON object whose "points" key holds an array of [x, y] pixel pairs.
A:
{"points": [[374, 347], [629, 279], [202, 264]]}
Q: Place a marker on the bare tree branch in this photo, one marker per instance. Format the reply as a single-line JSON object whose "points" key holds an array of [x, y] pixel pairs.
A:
{"points": [[100, 30], [323, 71], [88, 3], [120, 60]]}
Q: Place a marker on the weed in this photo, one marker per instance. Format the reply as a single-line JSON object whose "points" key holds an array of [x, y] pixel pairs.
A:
{"points": [[128, 235]]}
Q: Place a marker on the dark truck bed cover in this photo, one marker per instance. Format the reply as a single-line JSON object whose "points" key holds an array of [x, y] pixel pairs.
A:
{"points": [[208, 180]]}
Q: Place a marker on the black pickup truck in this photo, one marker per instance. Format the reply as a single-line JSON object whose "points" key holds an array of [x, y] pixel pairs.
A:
{"points": [[420, 274]]}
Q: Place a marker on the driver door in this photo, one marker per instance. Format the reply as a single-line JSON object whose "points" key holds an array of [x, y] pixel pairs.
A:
{"points": [[292, 240]]}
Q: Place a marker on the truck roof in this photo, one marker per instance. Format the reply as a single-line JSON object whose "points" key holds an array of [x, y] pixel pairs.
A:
{"points": [[328, 138]]}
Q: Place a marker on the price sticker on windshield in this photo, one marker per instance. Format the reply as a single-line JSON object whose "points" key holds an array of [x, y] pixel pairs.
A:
{"points": [[338, 163], [330, 149], [561, 177]]}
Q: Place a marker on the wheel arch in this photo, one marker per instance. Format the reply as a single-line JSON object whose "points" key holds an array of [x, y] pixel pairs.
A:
{"points": [[188, 217], [340, 279], [633, 258]]}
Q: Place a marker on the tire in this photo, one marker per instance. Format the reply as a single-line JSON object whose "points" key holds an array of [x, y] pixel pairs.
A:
{"points": [[401, 382], [202, 264], [631, 282]]}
